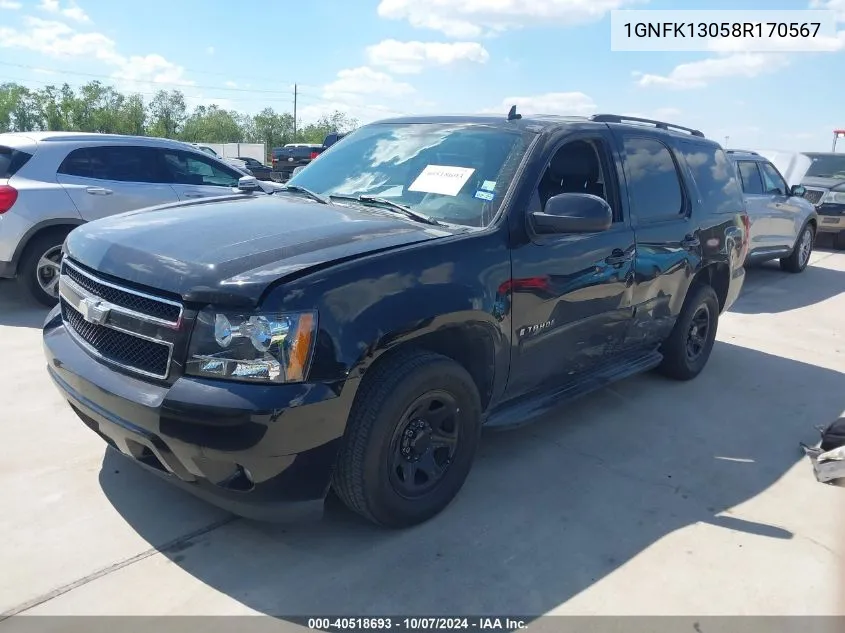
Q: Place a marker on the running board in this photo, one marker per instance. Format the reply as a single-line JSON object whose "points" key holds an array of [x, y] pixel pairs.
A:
{"points": [[528, 409]]}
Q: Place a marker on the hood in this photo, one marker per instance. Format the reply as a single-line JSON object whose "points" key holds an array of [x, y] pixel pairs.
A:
{"points": [[823, 183], [229, 250], [792, 165]]}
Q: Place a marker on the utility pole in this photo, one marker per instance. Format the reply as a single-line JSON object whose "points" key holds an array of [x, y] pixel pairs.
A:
{"points": [[727, 138], [294, 113]]}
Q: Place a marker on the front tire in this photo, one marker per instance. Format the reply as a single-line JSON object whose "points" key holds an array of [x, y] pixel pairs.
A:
{"points": [[38, 271], [800, 256], [687, 350], [410, 441]]}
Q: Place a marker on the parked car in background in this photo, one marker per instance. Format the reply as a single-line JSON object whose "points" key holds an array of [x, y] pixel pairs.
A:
{"points": [[783, 223], [257, 168], [331, 139], [355, 330], [235, 162], [51, 182], [291, 156], [825, 183]]}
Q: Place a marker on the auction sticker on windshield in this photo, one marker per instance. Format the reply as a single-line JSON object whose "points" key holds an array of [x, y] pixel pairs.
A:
{"points": [[442, 179]]}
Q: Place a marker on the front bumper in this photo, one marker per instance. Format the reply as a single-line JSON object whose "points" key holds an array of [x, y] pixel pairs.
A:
{"points": [[831, 218], [263, 452]]}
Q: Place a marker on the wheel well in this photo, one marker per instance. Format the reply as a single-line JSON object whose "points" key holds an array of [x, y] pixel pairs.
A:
{"points": [[469, 346], [51, 229], [718, 277]]}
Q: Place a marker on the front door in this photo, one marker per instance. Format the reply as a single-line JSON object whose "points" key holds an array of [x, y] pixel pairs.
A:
{"points": [[571, 294], [110, 179], [195, 175]]}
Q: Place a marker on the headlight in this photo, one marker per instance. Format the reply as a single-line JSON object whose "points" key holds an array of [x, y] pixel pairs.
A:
{"points": [[275, 348], [835, 197]]}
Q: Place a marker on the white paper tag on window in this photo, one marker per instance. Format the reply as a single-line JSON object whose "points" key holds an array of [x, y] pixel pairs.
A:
{"points": [[442, 179]]}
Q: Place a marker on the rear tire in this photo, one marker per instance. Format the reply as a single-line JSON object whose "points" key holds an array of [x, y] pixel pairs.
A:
{"points": [[800, 256], [38, 270], [404, 457], [686, 351]]}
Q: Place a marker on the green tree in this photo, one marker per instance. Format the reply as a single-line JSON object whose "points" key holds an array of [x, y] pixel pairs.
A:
{"points": [[167, 113], [272, 128], [337, 122], [212, 124]]}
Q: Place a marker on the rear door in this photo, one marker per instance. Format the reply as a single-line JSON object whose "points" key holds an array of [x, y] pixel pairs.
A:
{"points": [[109, 179], [194, 175], [762, 232]]}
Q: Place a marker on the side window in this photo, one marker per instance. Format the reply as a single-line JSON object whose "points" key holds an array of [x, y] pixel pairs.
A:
{"points": [[773, 180], [714, 175], [752, 182], [654, 187], [123, 163], [188, 168], [579, 167]]}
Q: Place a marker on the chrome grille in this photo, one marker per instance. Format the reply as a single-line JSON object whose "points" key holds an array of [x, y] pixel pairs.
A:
{"points": [[813, 196], [119, 325], [119, 347]]}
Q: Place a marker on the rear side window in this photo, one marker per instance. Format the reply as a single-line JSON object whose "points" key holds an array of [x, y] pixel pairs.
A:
{"points": [[654, 188], [714, 175], [114, 162], [752, 182], [11, 160]]}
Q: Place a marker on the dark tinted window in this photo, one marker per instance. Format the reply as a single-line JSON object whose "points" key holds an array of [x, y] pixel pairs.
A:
{"points": [[653, 184], [714, 175], [114, 162], [827, 165], [772, 180], [188, 168], [11, 160], [752, 182]]}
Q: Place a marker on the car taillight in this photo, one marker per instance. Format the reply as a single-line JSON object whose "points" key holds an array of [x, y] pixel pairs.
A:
{"points": [[314, 155], [8, 197]]}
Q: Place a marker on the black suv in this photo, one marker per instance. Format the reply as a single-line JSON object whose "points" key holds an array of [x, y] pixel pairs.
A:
{"points": [[428, 276]]}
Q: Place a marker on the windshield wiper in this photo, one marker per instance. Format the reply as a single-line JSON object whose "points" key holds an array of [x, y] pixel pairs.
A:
{"points": [[395, 206], [307, 192]]}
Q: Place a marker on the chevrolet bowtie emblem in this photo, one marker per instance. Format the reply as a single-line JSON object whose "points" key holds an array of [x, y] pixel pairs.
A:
{"points": [[94, 311]]}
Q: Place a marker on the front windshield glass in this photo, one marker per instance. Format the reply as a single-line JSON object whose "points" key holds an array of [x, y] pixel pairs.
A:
{"points": [[830, 166], [453, 172]]}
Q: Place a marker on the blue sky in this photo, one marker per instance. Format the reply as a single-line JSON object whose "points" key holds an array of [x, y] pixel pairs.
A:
{"points": [[375, 58]]}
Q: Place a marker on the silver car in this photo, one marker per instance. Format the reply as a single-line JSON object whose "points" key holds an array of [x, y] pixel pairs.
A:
{"points": [[51, 182], [783, 223]]}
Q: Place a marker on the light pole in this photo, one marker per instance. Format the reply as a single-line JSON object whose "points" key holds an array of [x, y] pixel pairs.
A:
{"points": [[727, 138], [836, 135]]}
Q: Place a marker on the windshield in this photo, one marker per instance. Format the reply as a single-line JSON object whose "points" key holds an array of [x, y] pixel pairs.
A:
{"points": [[827, 166], [454, 172]]}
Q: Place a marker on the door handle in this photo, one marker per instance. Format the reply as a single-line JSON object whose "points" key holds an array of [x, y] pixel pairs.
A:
{"points": [[99, 191], [619, 257], [194, 195], [690, 241]]}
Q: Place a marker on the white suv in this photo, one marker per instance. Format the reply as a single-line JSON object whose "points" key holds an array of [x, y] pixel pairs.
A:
{"points": [[51, 182]]}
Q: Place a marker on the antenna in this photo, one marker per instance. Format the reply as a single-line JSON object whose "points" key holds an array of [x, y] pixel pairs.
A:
{"points": [[512, 115]]}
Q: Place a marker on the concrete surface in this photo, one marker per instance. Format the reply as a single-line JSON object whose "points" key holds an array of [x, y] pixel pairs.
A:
{"points": [[651, 497]]}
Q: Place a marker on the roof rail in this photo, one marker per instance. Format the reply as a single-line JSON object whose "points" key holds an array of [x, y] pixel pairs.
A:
{"points": [[616, 118], [741, 151]]}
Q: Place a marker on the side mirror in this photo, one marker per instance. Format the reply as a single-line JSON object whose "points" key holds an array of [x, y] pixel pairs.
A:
{"points": [[573, 213], [798, 190], [248, 183]]}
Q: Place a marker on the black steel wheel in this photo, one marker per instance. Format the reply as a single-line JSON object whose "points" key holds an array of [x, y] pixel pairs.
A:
{"points": [[687, 350], [410, 439]]}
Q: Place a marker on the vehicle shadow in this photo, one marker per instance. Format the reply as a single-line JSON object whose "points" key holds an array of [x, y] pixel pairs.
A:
{"points": [[769, 290], [17, 309], [548, 510]]}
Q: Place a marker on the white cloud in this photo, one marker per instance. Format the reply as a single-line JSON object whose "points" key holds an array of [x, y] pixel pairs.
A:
{"points": [[209, 50], [356, 83], [12, 5], [474, 18], [830, 5], [57, 39], [562, 103], [699, 74], [231, 84], [72, 10], [413, 57], [138, 72]]}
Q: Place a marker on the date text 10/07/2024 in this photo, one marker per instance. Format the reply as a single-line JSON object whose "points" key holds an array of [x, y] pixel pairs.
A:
{"points": [[417, 623], [722, 29]]}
